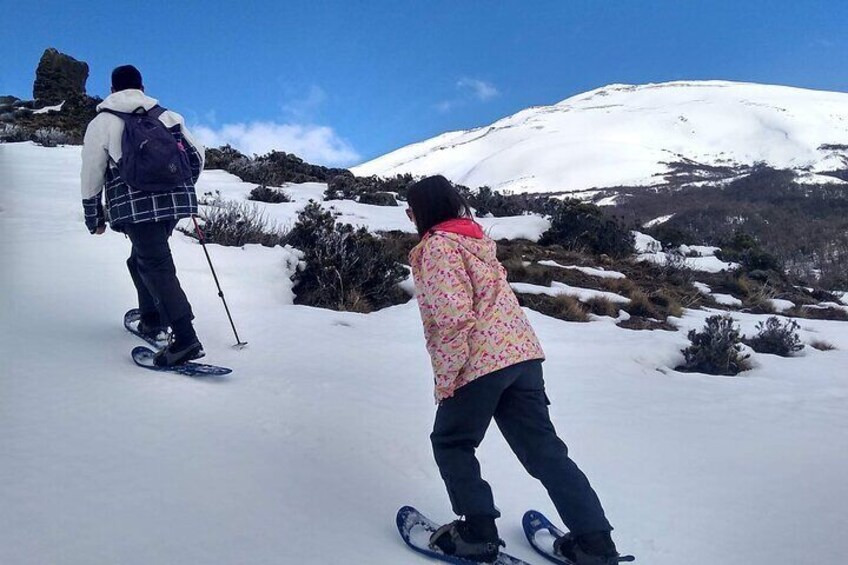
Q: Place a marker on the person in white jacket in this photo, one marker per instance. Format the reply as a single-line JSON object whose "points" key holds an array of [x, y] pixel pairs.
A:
{"points": [[147, 218]]}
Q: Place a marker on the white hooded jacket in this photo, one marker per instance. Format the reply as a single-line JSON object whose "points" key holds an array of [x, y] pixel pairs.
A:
{"points": [[103, 137]]}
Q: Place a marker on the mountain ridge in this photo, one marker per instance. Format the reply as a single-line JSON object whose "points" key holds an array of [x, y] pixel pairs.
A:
{"points": [[634, 136]]}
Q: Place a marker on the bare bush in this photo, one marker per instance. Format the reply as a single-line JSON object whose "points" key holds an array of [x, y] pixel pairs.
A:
{"points": [[51, 137], [231, 223], [12, 133]]}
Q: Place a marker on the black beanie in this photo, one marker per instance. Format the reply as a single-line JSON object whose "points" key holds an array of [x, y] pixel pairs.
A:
{"points": [[124, 77]]}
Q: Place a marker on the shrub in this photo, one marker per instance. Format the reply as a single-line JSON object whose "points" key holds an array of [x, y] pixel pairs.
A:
{"points": [[776, 338], [270, 195], [562, 307], [620, 286], [398, 184], [275, 168], [486, 201], [577, 225], [667, 303], [345, 269], [670, 235], [346, 186], [518, 271], [12, 133], [640, 305], [715, 350], [736, 284], [378, 199], [818, 313], [221, 157], [759, 299], [744, 249], [675, 270], [51, 137], [602, 306], [398, 244], [231, 223], [822, 345], [638, 323], [342, 187], [312, 221]]}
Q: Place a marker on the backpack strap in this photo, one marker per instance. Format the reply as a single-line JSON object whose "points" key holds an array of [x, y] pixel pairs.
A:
{"points": [[154, 112], [122, 115]]}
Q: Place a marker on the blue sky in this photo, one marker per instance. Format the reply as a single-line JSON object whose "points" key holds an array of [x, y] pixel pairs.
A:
{"points": [[340, 82]]}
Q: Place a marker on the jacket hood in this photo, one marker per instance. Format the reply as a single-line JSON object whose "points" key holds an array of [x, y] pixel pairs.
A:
{"points": [[461, 226], [127, 101]]}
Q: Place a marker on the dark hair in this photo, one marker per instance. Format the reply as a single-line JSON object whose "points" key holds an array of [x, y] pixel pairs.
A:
{"points": [[125, 77], [435, 200]]}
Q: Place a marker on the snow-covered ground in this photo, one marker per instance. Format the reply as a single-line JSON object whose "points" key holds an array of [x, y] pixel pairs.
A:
{"points": [[376, 218], [694, 257], [626, 134], [305, 453]]}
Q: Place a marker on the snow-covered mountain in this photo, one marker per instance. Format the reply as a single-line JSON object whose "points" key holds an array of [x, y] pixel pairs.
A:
{"points": [[625, 135]]}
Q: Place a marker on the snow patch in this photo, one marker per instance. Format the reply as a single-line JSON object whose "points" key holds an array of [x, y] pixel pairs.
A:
{"points": [[702, 288], [657, 221], [708, 264], [591, 271], [726, 299], [781, 305], [699, 250], [646, 244], [559, 289], [48, 109]]}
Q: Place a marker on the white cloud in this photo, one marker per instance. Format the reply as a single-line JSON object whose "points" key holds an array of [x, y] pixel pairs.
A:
{"points": [[482, 90], [446, 105], [470, 89], [304, 107], [315, 144]]}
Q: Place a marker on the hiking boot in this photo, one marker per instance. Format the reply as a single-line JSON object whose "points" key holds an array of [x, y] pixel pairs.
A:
{"points": [[157, 333], [596, 548], [460, 540], [177, 353]]}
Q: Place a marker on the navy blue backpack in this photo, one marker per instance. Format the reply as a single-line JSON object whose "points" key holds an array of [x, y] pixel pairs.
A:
{"points": [[151, 158]]}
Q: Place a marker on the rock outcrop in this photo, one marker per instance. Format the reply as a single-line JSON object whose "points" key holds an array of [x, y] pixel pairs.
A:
{"points": [[59, 77]]}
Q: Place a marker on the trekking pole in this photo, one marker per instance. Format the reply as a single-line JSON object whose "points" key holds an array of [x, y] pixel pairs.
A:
{"points": [[239, 343]]}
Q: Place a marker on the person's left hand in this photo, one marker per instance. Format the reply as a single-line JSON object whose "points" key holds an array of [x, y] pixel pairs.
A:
{"points": [[100, 230]]}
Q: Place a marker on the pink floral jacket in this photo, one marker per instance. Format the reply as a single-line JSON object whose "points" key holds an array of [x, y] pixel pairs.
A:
{"points": [[472, 321]]}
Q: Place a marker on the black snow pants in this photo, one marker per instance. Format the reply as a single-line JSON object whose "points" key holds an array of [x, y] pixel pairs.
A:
{"points": [[161, 299], [515, 397]]}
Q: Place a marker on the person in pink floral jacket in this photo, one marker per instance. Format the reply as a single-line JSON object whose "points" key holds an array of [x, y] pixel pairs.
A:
{"points": [[487, 364]]}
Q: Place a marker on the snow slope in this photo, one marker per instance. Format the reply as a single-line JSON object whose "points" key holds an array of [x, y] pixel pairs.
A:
{"points": [[623, 135], [375, 218], [326, 419]]}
